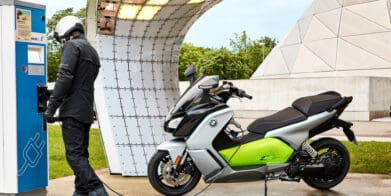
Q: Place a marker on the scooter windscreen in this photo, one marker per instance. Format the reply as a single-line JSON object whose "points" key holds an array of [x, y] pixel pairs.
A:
{"points": [[192, 95]]}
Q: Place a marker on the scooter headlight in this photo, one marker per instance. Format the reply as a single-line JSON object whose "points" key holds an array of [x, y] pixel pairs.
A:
{"points": [[174, 123], [169, 115]]}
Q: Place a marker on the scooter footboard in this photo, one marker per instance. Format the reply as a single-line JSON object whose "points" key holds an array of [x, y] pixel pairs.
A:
{"points": [[174, 147], [205, 162]]}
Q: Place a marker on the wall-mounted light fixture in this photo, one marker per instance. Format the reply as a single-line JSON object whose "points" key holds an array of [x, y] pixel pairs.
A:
{"points": [[195, 1], [107, 12]]}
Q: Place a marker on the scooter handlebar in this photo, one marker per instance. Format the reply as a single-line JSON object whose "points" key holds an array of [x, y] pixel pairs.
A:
{"points": [[242, 93], [247, 96]]}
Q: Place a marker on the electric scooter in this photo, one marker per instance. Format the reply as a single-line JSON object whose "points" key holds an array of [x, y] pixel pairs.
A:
{"points": [[273, 147]]}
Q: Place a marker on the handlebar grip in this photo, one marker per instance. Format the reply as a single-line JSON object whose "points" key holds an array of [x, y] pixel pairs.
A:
{"points": [[242, 93], [247, 96]]}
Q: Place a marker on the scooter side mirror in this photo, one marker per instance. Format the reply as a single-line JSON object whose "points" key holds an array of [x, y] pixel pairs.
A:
{"points": [[190, 74], [209, 83], [206, 87]]}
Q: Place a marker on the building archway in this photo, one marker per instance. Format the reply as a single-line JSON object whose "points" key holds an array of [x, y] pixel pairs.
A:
{"points": [[139, 43]]}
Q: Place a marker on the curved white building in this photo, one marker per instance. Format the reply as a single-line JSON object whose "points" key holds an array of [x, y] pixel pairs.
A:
{"points": [[335, 38]]}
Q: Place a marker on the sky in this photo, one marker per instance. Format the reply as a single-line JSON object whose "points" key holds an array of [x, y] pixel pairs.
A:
{"points": [[273, 18]]}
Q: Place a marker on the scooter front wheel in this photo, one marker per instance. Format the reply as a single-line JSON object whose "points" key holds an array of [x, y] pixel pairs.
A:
{"points": [[165, 179]]}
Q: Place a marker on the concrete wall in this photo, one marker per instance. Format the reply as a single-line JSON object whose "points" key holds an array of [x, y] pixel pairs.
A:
{"points": [[380, 97], [371, 96]]}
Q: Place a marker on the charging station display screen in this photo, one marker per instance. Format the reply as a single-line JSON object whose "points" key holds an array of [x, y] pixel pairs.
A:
{"points": [[36, 54]]}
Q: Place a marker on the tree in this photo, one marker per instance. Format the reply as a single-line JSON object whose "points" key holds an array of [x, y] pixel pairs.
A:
{"points": [[54, 48], [240, 63], [250, 51], [240, 43], [224, 63], [190, 55], [209, 61]]}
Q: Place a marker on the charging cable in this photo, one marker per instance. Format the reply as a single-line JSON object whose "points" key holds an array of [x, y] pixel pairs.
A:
{"points": [[111, 189]]}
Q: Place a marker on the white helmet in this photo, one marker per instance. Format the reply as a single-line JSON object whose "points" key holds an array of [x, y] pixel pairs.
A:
{"points": [[66, 26]]}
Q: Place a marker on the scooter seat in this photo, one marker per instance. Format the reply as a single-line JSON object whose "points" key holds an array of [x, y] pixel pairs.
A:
{"points": [[316, 104], [280, 119], [302, 108]]}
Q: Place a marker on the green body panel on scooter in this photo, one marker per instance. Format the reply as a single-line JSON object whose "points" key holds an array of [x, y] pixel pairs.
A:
{"points": [[260, 152]]}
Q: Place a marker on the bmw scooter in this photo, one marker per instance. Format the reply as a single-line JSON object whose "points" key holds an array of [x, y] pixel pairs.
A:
{"points": [[273, 147]]}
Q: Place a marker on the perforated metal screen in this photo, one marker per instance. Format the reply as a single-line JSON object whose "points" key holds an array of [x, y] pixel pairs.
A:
{"points": [[139, 42]]}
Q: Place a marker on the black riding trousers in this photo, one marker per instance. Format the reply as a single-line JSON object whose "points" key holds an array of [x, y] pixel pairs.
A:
{"points": [[76, 140]]}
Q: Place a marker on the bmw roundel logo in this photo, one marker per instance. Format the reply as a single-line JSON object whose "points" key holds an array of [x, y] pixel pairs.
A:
{"points": [[213, 123]]}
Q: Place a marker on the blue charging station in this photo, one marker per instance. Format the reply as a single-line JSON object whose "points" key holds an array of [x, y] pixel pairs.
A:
{"points": [[23, 135]]}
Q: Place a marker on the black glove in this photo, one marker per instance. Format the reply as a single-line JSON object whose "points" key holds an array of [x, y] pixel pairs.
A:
{"points": [[48, 117]]}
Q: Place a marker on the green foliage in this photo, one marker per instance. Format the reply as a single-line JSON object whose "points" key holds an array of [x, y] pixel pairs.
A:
{"points": [[53, 64], [58, 166], [191, 55], [226, 64], [250, 51], [240, 63], [370, 157], [54, 48]]}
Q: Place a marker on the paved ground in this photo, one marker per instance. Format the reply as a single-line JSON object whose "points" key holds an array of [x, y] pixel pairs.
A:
{"points": [[354, 184]]}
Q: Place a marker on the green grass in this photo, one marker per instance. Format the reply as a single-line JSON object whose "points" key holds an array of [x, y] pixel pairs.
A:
{"points": [[58, 166], [370, 157]]}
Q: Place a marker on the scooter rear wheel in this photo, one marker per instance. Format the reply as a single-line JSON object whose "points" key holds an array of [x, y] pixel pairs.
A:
{"points": [[334, 153], [165, 179]]}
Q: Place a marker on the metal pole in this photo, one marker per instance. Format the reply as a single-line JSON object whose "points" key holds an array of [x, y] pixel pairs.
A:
{"points": [[262, 44]]}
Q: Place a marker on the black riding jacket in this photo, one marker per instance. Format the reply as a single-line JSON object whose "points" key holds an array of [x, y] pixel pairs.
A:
{"points": [[74, 88]]}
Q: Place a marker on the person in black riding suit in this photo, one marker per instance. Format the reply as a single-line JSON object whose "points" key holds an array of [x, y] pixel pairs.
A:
{"points": [[73, 93]]}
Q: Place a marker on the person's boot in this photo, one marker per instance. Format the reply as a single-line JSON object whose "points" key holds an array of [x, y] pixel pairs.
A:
{"points": [[101, 191]]}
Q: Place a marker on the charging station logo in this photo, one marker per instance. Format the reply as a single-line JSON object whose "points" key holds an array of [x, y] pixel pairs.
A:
{"points": [[32, 153]]}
